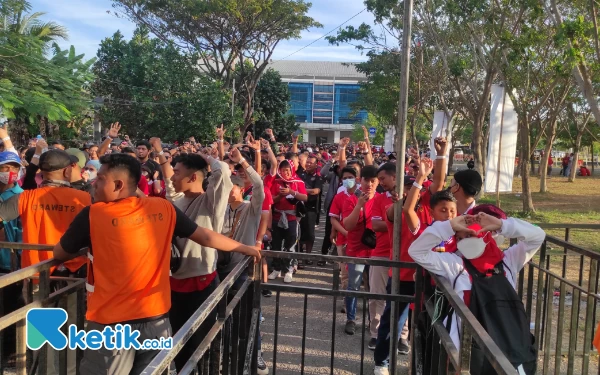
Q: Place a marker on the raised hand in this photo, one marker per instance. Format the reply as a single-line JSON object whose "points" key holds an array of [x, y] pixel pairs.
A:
{"points": [[220, 132], [425, 167], [488, 222], [441, 145], [344, 142], [255, 144], [4, 130], [156, 144], [127, 138], [294, 138], [462, 223], [265, 144], [365, 132], [113, 131]]}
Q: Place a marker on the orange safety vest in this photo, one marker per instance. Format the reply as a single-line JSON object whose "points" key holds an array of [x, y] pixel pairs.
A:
{"points": [[129, 262], [46, 214], [596, 341]]}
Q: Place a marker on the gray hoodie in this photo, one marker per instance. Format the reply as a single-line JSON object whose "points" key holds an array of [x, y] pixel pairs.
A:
{"points": [[208, 211], [246, 220]]}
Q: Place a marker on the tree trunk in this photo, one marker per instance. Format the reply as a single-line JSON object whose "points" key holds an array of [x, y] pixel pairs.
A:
{"points": [[525, 152], [477, 145], [551, 134], [573, 171]]}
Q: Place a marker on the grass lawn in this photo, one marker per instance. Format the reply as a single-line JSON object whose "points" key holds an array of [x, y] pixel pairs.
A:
{"points": [[565, 202]]}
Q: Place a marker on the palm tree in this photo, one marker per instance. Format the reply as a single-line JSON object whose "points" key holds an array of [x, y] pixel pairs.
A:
{"points": [[31, 25]]}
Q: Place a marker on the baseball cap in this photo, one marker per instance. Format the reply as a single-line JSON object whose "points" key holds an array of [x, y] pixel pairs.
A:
{"points": [[54, 160], [489, 209], [7, 157], [77, 156]]}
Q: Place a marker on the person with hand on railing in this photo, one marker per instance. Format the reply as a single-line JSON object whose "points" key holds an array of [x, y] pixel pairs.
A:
{"points": [[195, 276], [129, 245], [485, 278]]}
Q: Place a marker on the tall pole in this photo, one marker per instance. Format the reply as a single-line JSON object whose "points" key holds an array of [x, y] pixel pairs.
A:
{"points": [[400, 148], [500, 148], [232, 98]]}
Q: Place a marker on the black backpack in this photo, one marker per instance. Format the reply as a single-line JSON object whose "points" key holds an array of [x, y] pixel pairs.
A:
{"points": [[500, 311]]}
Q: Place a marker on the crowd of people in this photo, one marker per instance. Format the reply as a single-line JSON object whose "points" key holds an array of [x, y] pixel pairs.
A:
{"points": [[194, 212]]}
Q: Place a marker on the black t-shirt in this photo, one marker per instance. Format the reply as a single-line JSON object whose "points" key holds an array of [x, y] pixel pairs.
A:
{"points": [[78, 235], [312, 181]]}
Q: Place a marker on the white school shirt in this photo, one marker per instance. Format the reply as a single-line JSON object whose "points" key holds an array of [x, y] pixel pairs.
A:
{"points": [[450, 265]]}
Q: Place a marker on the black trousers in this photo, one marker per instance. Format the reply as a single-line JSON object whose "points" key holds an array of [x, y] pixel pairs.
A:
{"points": [[326, 240], [183, 306], [284, 240]]}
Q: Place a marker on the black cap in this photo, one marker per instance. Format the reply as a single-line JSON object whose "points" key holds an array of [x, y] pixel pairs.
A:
{"points": [[54, 160], [469, 180], [409, 180]]}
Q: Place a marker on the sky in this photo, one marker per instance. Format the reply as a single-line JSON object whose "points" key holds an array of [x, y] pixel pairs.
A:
{"points": [[89, 22]]}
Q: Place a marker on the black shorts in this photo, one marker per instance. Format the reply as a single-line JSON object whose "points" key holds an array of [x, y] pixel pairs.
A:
{"points": [[307, 227]]}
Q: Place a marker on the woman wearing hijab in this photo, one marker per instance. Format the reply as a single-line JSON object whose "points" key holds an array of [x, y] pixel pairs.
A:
{"points": [[479, 270], [287, 190]]}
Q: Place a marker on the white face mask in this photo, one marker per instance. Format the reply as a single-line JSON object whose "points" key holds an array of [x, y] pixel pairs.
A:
{"points": [[471, 248], [93, 175], [500, 239]]}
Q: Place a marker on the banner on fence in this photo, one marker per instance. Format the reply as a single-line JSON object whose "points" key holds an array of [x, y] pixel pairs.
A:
{"points": [[442, 127], [503, 142]]}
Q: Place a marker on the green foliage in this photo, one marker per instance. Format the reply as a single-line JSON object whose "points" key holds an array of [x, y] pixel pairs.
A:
{"points": [[153, 89], [271, 105], [225, 34], [38, 93], [371, 122]]}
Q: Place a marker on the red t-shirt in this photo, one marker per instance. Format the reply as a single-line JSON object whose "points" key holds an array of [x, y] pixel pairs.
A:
{"points": [[284, 204], [380, 204], [355, 247], [143, 185], [268, 181], [337, 205]]}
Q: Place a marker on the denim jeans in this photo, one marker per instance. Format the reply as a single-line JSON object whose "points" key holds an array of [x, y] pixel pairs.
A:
{"points": [[355, 274], [382, 348]]}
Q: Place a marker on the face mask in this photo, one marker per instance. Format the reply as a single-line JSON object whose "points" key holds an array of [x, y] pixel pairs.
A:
{"points": [[471, 248], [8, 178], [499, 239], [349, 184], [92, 175]]}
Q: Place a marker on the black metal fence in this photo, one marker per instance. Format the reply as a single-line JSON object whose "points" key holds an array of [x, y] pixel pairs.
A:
{"points": [[28, 279]]}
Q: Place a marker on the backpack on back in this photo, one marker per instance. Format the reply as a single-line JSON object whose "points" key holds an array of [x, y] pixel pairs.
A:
{"points": [[500, 311]]}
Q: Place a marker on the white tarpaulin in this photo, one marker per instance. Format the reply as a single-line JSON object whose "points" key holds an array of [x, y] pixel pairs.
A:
{"points": [[507, 149], [441, 123]]}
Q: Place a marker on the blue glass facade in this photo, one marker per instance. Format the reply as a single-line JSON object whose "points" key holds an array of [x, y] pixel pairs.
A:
{"points": [[301, 101], [325, 104]]}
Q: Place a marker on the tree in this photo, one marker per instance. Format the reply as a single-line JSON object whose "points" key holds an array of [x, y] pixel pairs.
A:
{"points": [[271, 102], [225, 34], [152, 89], [40, 95]]}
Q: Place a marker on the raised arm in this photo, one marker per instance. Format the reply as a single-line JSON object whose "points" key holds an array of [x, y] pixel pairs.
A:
{"points": [[369, 156], [272, 159], [412, 198], [220, 140], [342, 152], [441, 164], [8, 145], [294, 144]]}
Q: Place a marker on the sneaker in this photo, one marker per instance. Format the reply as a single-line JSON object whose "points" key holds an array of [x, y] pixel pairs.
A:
{"points": [[274, 275], [403, 347], [350, 327], [288, 278], [372, 343], [261, 368], [266, 293], [262, 319], [381, 370]]}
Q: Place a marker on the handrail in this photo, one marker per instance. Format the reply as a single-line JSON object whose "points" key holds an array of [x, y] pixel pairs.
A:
{"points": [[162, 360], [571, 247], [335, 258], [567, 225]]}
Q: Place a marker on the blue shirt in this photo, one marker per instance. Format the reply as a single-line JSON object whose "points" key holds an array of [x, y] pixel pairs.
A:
{"points": [[13, 231]]}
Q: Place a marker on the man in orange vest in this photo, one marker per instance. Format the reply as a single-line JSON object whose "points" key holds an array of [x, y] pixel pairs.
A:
{"points": [[46, 213], [129, 241]]}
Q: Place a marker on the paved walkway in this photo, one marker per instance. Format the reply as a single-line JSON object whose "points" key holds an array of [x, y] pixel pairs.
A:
{"points": [[347, 353]]}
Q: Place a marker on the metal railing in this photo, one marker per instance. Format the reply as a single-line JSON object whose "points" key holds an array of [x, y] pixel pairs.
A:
{"points": [[230, 345], [26, 361], [561, 302]]}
